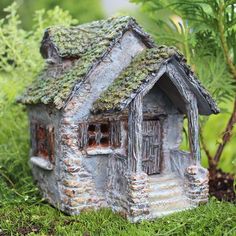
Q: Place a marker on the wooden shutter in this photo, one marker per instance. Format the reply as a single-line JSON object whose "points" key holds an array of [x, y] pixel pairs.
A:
{"points": [[82, 135], [51, 143], [115, 135]]}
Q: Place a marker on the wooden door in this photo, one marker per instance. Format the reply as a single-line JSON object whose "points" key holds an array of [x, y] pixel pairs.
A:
{"points": [[151, 162]]}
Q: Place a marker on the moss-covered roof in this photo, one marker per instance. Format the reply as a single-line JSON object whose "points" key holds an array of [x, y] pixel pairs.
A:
{"points": [[89, 43], [127, 83], [140, 71], [79, 40]]}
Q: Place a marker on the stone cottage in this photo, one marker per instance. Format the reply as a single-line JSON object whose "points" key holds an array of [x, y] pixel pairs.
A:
{"points": [[106, 119]]}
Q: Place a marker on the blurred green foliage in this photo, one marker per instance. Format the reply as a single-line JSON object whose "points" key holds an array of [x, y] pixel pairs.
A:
{"points": [[205, 31], [82, 10], [20, 62]]}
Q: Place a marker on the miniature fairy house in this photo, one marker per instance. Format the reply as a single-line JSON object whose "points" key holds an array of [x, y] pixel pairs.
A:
{"points": [[106, 118]]}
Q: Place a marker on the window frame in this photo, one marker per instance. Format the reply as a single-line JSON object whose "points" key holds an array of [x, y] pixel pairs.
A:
{"points": [[112, 133], [48, 141]]}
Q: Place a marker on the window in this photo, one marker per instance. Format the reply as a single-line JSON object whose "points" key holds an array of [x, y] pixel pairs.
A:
{"points": [[101, 135], [98, 135], [44, 141]]}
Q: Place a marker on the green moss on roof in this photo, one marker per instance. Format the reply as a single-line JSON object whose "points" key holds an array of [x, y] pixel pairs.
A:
{"points": [[132, 77], [48, 89], [88, 43], [76, 41]]}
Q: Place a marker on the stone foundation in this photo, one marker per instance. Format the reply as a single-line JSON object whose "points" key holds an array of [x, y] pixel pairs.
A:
{"points": [[196, 184]]}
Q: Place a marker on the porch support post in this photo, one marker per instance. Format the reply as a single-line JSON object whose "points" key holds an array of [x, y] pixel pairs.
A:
{"points": [[191, 110], [193, 128], [135, 137]]}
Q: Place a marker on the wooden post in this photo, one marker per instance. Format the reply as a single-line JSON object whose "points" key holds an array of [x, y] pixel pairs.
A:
{"points": [[193, 128], [190, 101], [135, 138]]}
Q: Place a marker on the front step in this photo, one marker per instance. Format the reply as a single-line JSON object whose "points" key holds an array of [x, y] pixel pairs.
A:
{"points": [[158, 178], [163, 182], [166, 195], [170, 204]]}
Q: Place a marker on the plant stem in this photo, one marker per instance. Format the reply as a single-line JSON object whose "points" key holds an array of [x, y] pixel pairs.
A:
{"points": [[186, 45], [229, 127], [226, 135], [204, 146]]}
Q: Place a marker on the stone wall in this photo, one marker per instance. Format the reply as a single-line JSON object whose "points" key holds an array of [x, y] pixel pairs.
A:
{"points": [[77, 186], [138, 197]]}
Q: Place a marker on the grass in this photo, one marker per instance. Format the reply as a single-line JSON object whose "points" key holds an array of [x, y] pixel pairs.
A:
{"points": [[215, 218]]}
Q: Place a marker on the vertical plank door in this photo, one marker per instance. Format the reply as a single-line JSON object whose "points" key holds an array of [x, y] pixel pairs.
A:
{"points": [[151, 160]]}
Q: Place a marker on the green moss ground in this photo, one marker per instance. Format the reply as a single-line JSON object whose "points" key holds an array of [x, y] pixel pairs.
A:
{"points": [[215, 218]]}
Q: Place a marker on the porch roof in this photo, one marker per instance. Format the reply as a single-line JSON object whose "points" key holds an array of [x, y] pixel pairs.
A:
{"points": [[140, 72]]}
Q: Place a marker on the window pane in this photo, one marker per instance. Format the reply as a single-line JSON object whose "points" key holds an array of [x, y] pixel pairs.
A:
{"points": [[104, 141], [91, 128], [91, 141], [44, 141], [42, 145], [104, 128]]}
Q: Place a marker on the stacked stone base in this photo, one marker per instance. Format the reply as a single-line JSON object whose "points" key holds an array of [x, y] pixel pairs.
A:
{"points": [[78, 192], [134, 206], [137, 197], [196, 185]]}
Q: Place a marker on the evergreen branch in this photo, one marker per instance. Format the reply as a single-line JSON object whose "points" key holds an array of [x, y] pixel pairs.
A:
{"points": [[229, 2], [224, 43], [231, 23]]}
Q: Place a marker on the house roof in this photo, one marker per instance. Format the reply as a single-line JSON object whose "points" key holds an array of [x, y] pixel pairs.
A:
{"points": [[143, 69], [89, 43]]}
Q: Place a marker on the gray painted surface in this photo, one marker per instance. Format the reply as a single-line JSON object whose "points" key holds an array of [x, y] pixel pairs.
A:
{"points": [[47, 179]]}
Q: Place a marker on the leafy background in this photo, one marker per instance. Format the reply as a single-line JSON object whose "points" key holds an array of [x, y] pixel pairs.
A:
{"points": [[20, 62], [21, 27]]}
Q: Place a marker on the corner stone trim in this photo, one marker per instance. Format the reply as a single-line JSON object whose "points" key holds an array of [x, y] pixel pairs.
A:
{"points": [[196, 184], [137, 197]]}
